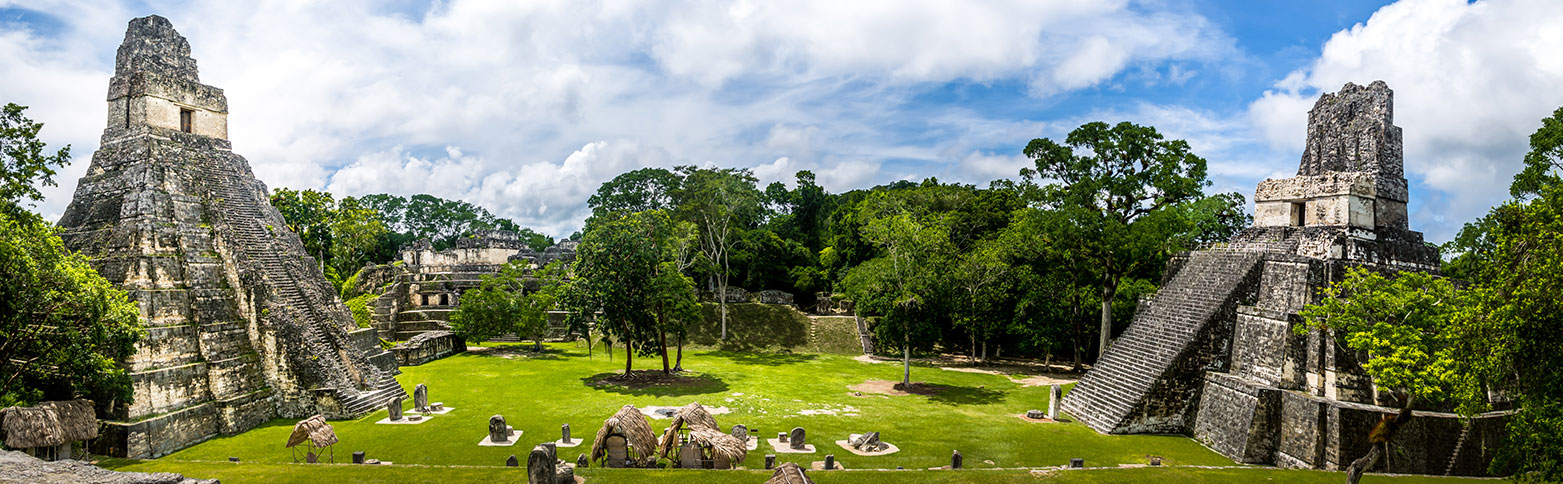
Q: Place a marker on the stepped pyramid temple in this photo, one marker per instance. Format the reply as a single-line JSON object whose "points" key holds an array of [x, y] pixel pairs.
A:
{"points": [[242, 326], [1213, 354]]}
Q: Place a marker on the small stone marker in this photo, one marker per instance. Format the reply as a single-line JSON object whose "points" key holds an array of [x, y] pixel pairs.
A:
{"points": [[781, 437], [394, 407], [437, 407], [358, 457], [497, 431], [1035, 414], [233, 459], [796, 438], [830, 461], [583, 462], [1054, 394], [741, 432], [868, 442], [1155, 460], [414, 418], [955, 460], [1077, 463], [770, 461], [512, 461], [565, 430], [420, 398]]}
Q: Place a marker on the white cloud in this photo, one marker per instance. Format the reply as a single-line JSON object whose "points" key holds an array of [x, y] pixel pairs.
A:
{"points": [[347, 95], [1471, 82]]}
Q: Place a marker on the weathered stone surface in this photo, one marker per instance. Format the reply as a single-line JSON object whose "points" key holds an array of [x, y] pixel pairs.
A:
{"points": [[955, 460], [497, 430], [795, 439], [394, 408], [420, 398], [1036, 414], [243, 326], [741, 432], [20, 468], [1054, 394], [1353, 130], [772, 296], [428, 346]]}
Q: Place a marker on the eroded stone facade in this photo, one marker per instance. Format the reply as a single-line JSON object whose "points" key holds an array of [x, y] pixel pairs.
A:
{"points": [[1214, 354], [242, 326]]}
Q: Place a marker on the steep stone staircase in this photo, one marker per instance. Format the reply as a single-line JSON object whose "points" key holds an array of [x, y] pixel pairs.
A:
{"points": [[255, 243], [1166, 348]]}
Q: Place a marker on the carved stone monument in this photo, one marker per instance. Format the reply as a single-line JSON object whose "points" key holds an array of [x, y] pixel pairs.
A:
{"points": [[497, 430], [394, 408], [1054, 394], [795, 439], [420, 398]]}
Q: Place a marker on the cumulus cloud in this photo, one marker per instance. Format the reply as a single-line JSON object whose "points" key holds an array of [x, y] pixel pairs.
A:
{"points": [[1471, 81], [360, 96]]}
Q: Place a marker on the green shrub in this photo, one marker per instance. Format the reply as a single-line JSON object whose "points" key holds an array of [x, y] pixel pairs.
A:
{"points": [[360, 308]]}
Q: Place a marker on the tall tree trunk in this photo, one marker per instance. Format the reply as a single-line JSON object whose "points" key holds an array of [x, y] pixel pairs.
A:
{"points": [[629, 356], [1109, 288], [662, 338], [1079, 330], [906, 362], [1379, 439], [679, 364], [984, 351], [723, 305], [973, 347]]}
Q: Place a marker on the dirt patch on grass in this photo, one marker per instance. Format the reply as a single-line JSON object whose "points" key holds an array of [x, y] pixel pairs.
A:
{"points": [[892, 388]]}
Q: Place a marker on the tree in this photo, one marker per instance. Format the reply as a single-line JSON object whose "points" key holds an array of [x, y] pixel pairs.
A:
{"points": [[634, 191], [309, 214], [356, 231], [902, 284], [982, 277], [718, 201], [1406, 332], [1125, 187], [23, 163], [514, 300], [1514, 255], [63, 328], [615, 269]]}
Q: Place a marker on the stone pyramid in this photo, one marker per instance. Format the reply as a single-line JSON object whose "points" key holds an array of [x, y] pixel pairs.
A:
{"points": [[242, 325], [1214, 353]]}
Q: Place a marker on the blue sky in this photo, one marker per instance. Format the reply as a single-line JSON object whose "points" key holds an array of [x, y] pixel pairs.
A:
{"points": [[525, 107]]}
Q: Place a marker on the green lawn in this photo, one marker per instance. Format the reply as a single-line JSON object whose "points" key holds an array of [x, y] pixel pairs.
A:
{"points": [[975, 413]]}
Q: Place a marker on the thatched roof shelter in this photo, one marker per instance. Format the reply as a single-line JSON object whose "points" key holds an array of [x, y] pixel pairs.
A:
{"points": [[789, 473], [719, 446], [693, 415], [313, 429], [49, 424], [631, 424]]}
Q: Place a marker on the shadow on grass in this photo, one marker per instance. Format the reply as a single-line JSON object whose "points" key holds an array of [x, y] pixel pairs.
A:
{"points": [[766, 359], [654, 383], [954, 395], [517, 351]]}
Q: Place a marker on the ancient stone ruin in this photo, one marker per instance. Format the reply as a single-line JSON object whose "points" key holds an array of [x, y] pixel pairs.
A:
{"points": [[417, 296], [242, 326], [1214, 354]]}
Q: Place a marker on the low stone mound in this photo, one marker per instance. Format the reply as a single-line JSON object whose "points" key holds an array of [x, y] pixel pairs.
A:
{"points": [[20, 468]]}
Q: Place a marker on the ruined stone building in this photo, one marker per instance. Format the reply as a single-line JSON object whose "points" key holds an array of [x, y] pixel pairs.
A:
{"points": [[242, 326], [1214, 354], [418, 293]]}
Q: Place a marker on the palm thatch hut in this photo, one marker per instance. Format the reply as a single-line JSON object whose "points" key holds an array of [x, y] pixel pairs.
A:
{"points": [[694, 416], [319, 436], [789, 473], [625, 440], [709, 448], [49, 430]]}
